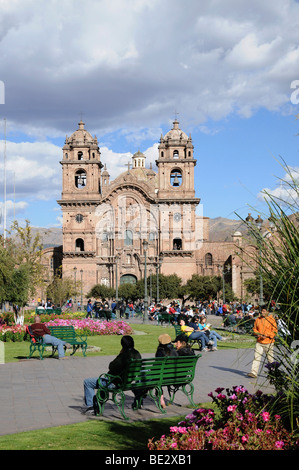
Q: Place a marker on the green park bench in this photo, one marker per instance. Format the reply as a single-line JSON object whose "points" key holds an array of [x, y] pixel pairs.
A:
{"points": [[192, 342], [65, 333], [149, 376], [165, 318], [48, 311]]}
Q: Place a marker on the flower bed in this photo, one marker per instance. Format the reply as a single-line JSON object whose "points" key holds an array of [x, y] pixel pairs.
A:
{"points": [[17, 333], [242, 422], [91, 327]]}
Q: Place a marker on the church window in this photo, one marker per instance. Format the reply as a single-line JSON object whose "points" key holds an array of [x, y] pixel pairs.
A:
{"points": [[176, 178], [209, 259], [79, 244], [80, 155], [128, 237], [177, 244], [66, 156], [79, 218], [80, 179], [176, 154], [162, 154]]}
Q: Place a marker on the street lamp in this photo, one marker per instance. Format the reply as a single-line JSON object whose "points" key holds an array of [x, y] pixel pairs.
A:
{"points": [[259, 223], [81, 272], [145, 311], [158, 267], [223, 282], [116, 277], [75, 272]]}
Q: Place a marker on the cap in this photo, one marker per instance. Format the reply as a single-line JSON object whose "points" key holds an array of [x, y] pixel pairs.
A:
{"points": [[181, 338], [164, 339]]}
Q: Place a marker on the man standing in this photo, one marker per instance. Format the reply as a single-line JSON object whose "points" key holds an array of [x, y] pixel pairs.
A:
{"points": [[39, 329], [265, 329]]}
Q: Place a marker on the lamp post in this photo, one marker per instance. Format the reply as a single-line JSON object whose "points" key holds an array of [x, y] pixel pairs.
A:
{"points": [[145, 311], [81, 272], [75, 273], [259, 223], [223, 282], [116, 277], [158, 267]]}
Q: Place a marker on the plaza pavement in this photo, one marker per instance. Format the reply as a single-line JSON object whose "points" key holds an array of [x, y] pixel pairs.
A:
{"points": [[38, 394]]}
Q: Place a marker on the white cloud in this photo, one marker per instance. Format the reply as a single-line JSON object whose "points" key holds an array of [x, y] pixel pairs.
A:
{"points": [[123, 63]]}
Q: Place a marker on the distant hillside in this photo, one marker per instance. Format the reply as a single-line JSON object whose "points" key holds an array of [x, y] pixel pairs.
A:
{"points": [[50, 236], [221, 229]]}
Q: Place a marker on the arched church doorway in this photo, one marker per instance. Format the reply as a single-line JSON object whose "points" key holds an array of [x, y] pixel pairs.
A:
{"points": [[128, 279]]}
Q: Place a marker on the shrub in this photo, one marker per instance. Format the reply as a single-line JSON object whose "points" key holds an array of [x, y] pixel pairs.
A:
{"points": [[241, 422]]}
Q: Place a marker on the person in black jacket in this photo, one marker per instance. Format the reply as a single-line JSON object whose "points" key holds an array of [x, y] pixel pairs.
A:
{"points": [[116, 367], [165, 348], [182, 346]]}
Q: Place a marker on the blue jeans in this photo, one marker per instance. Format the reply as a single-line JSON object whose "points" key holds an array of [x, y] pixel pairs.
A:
{"points": [[199, 335], [90, 385], [213, 337], [55, 342]]}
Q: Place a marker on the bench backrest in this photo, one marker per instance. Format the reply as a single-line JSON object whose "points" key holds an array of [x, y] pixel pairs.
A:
{"points": [[142, 373], [63, 332]]}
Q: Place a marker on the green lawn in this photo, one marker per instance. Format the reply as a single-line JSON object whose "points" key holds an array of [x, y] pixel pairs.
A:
{"points": [[146, 341]]}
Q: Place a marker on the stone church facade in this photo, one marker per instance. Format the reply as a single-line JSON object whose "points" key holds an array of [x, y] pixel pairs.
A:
{"points": [[143, 219]]}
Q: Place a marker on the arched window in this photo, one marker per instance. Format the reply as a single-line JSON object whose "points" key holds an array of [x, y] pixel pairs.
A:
{"points": [[128, 237], [176, 178], [80, 179], [209, 259], [80, 155], [79, 244], [175, 154]]}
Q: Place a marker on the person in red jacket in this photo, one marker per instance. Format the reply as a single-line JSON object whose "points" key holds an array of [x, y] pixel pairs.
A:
{"points": [[39, 329], [265, 329]]}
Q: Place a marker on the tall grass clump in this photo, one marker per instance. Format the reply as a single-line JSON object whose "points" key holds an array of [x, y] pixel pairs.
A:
{"points": [[277, 259]]}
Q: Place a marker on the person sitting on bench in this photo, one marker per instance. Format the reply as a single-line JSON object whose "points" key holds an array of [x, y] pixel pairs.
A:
{"points": [[40, 330]]}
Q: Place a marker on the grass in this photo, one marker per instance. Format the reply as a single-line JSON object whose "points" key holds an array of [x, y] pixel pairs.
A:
{"points": [[110, 345], [91, 435]]}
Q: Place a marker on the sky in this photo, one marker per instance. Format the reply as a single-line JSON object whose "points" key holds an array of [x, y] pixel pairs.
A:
{"points": [[227, 69]]}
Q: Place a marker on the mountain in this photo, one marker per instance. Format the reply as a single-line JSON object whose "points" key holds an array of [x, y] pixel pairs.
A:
{"points": [[221, 229]]}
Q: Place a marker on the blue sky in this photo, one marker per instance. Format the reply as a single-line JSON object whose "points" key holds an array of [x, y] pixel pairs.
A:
{"points": [[229, 68]]}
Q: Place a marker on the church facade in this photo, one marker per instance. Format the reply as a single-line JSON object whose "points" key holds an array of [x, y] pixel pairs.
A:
{"points": [[114, 230]]}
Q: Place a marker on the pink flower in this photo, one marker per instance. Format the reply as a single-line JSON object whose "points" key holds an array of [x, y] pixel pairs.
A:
{"points": [[265, 415], [245, 438], [279, 444], [232, 408], [174, 444]]}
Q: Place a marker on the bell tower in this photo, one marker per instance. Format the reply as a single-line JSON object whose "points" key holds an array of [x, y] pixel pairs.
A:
{"points": [[176, 193], [81, 193], [176, 165]]}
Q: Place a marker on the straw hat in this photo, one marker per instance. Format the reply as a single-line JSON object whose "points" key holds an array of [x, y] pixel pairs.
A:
{"points": [[164, 339]]}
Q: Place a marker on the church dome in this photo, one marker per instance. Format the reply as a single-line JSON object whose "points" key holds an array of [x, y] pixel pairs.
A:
{"points": [[81, 136], [176, 133]]}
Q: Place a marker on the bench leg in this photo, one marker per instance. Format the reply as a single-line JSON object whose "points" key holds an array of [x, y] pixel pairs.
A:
{"points": [[156, 394]]}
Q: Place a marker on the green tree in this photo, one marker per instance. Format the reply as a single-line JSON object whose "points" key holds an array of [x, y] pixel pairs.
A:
{"points": [[100, 291]]}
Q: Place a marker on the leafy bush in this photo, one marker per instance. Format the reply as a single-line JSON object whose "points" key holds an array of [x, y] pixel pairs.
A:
{"points": [[241, 422]]}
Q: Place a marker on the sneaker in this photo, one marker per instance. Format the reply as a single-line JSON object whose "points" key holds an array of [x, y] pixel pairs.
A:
{"points": [[63, 357], [87, 410], [251, 375], [210, 343], [213, 348], [204, 350]]}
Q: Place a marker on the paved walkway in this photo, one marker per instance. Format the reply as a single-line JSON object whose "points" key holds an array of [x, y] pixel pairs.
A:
{"points": [[39, 394]]}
